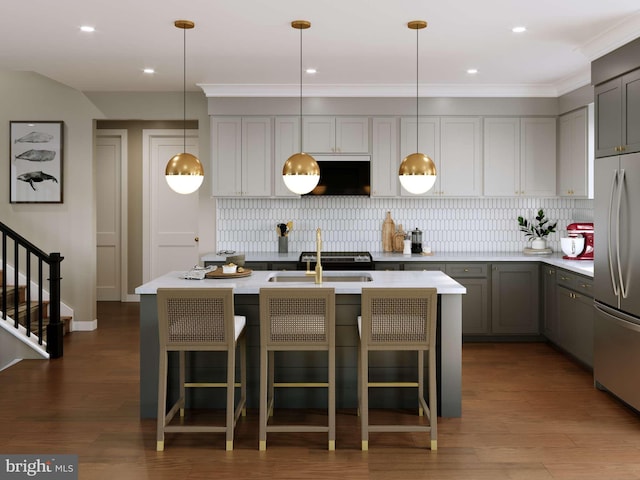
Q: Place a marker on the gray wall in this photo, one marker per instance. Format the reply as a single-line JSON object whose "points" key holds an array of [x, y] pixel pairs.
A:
{"points": [[70, 227]]}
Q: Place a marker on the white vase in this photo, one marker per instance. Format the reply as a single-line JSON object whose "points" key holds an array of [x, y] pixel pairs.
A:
{"points": [[539, 243]]}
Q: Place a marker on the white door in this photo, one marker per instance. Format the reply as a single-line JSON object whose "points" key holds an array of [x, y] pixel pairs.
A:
{"points": [[110, 185], [170, 234]]}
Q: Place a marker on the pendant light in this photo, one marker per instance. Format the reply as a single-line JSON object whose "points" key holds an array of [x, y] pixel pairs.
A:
{"points": [[301, 172], [417, 172], [184, 172]]}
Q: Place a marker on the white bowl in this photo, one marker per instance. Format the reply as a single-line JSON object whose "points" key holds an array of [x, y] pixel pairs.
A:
{"points": [[572, 246], [231, 268]]}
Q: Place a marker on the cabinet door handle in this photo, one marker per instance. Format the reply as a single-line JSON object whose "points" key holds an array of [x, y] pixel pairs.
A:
{"points": [[466, 269]]}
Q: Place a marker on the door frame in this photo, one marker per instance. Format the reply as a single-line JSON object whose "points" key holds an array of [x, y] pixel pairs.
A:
{"points": [[122, 134]]}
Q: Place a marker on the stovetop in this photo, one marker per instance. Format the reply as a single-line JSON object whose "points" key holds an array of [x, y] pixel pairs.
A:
{"points": [[337, 257]]}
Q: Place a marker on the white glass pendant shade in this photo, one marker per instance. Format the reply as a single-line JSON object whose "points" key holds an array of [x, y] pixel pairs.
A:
{"points": [[417, 173], [301, 173], [184, 173]]}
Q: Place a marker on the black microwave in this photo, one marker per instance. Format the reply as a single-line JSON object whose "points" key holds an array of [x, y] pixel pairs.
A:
{"points": [[343, 177]]}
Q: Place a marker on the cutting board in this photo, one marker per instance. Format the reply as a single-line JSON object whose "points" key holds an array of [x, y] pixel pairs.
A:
{"points": [[217, 273]]}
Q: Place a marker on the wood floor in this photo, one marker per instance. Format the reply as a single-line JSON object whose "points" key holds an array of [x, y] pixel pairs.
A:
{"points": [[528, 413]]}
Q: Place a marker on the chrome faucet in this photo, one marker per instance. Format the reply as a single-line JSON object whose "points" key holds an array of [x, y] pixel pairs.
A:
{"points": [[318, 250]]}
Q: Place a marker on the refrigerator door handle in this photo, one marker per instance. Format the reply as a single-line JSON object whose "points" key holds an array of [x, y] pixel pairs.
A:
{"points": [[616, 290], [623, 290]]}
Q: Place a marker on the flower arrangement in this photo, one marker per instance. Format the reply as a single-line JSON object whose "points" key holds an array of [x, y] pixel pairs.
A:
{"points": [[541, 228]]}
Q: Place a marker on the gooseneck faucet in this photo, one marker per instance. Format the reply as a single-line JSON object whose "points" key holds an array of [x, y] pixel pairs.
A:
{"points": [[318, 250]]}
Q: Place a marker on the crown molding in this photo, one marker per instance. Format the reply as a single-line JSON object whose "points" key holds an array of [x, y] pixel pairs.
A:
{"points": [[573, 82], [616, 36], [378, 90]]}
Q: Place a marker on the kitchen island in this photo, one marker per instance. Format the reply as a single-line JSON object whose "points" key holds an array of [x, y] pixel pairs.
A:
{"points": [[347, 309]]}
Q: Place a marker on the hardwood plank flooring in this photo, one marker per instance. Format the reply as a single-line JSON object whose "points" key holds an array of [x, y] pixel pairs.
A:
{"points": [[529, 413]]}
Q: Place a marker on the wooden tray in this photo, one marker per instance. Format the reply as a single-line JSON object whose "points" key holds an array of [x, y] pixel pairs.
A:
{"points": [[217, 273]]}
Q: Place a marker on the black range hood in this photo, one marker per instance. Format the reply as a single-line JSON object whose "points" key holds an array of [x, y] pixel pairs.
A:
{"points": [[348, 175]]}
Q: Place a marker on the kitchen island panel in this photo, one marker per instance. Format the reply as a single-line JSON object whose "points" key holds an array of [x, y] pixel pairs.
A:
{"points": [[347, 310]]}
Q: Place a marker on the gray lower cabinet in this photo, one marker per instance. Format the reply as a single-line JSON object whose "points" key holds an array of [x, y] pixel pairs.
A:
{"points": [[283, 266], [422, 266], [549, 303], [515, 303], [387, 266], [475, 304], [575, 316]]}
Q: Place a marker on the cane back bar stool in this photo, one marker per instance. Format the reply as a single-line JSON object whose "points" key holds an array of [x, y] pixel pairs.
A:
{"points": [[296, 320], [200, 320], [396, 319]]}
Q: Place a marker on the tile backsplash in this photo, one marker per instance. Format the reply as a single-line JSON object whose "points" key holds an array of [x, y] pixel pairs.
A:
{"points": [[355, 223]]}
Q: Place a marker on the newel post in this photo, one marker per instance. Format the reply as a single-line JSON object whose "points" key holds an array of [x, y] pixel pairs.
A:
{"points": [[54, 328]]}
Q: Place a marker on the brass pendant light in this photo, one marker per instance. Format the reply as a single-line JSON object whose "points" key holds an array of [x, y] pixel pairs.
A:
{"points": [[417, 172], [301, 172], [184, 172]]}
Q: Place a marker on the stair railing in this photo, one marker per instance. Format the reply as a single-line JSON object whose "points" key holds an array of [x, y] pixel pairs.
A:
{"points": [[24, 250]]}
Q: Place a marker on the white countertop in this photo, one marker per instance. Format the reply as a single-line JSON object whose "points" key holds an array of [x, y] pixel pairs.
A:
{"points": [[259, 279], [583, 267]]}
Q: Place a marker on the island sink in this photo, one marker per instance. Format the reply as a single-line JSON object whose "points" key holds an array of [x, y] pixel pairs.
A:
{"points": [[327, 277]]}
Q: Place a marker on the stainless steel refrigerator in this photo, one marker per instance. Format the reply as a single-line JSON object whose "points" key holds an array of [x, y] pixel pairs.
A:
{"points": [[617, 276]]}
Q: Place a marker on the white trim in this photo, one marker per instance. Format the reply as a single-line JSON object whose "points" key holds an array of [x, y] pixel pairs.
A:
{"points": [[21, 334], [124, 207], [379, 90], [132, 298], [84, 326]]}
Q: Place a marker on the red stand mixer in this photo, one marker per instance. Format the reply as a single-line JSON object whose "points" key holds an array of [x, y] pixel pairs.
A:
{"points": [[585, 230]]}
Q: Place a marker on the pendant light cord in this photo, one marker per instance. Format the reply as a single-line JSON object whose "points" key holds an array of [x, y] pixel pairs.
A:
{"points": [[184, 90], [301, 85], [417, 98]]}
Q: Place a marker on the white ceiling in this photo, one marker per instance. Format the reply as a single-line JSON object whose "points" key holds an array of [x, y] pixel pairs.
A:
{"points": [[360, 47]]}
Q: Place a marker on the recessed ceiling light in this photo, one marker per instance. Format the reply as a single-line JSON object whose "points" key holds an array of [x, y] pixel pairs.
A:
{"points": [[311, 70], [87, 28], [472, 71], [149, 70], [519, 29]]}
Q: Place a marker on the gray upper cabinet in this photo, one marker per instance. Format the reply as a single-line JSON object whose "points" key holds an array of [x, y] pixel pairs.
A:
{"points": [[520, 156], [460, 151], [427, 142], [384, 157], [335, 135], [286, 142], [618, 115], [241, 156], [573, 162]]}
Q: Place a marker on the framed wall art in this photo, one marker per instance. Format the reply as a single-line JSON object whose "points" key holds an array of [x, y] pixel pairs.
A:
{"points": [[36, 162]]}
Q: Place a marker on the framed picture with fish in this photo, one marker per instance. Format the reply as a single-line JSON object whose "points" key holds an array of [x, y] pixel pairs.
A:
{"points": [[36, 162]]}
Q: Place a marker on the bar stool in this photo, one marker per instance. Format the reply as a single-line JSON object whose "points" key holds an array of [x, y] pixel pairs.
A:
{"points": [[200, 319], [296, 320], [396, 319]]}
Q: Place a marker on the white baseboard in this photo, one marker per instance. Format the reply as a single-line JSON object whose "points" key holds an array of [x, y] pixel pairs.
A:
{"points": [[132, 298], [88, 326]]}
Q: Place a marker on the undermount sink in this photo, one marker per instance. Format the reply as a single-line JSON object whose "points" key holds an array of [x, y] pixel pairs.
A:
{"points": [[327, 277]]}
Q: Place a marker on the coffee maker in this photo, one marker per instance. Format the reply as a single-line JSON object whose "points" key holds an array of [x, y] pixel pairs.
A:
{"points": [[416, 241], [582, 229]]}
